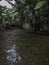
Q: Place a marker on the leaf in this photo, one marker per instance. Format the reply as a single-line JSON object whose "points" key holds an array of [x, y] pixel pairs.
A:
{"points": [[39, 5], [12, 15]]}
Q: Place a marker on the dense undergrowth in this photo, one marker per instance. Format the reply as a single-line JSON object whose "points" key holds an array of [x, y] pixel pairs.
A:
{"points": [[34, 12]]}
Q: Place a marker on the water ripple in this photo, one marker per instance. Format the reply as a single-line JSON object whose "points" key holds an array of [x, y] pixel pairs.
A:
{"points": [[12, 55]]}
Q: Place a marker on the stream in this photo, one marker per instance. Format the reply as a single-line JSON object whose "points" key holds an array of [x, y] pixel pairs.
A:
{"points": [[17, 47]]}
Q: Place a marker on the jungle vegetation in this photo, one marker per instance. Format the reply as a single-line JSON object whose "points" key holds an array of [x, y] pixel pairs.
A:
{"points": [[35, 12]]}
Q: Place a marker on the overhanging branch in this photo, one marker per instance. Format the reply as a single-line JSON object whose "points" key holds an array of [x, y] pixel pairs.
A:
{"points": [[10, 3]]}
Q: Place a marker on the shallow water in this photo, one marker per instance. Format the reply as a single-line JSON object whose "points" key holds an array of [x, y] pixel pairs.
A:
{"points": [[18, 47]]}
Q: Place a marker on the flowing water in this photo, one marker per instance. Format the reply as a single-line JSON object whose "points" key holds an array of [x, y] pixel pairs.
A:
{"points": [[17, 47]]}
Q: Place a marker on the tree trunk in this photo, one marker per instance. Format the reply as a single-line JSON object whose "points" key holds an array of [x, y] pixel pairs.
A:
{"points": [[34, 25]]}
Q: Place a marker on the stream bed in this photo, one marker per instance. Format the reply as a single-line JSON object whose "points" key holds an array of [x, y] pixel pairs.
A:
{"points": [[17, 47]]}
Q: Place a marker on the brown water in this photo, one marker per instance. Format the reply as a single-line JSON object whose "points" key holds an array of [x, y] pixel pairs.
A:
{"points": [[20, 48]]}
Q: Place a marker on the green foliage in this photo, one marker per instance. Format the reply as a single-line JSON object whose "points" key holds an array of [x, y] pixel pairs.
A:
{"points": [[23, 11], [39, 5], [8, 17]]}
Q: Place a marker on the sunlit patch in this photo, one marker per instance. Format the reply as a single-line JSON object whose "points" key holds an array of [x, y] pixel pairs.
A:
{"points": [[5, 3], [12, 55]]}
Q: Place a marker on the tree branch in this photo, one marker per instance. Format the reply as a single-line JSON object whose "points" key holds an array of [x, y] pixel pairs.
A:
{"points": [[10, 3]]}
